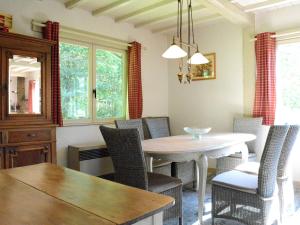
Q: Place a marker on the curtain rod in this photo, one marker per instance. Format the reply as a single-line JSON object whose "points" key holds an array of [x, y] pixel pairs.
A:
{"points": [[284, 35], [83, 33]]}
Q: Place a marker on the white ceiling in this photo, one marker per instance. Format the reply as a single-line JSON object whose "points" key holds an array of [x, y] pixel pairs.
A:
{"points": [[160, 15]]}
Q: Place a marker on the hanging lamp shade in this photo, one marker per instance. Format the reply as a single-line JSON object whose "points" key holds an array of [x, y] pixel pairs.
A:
{"points": [[174, 52], [198, 58]]}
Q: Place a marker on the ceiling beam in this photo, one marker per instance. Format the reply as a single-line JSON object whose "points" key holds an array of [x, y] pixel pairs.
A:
{"points": [[111, 6], [166, 17], [73, 3], [228, 11], [185, 24], [264, 5], [143, 10]]}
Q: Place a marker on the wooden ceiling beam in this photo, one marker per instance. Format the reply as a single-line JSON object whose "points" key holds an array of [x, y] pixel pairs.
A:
{"points": [[265, 5], [143, 10], [184, 24], [74, 3], [109, 7], [166, 17], [229, 11]]}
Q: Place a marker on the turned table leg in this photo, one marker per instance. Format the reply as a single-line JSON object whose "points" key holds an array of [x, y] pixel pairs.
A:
{"points": [[202, 170]]}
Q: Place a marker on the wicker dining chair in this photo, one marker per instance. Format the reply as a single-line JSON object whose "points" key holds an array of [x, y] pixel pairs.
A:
{"points": [[158, 165], [133, 123], [251, 199], [158, 127], [241, 125], [125, 149], [284, 176]]}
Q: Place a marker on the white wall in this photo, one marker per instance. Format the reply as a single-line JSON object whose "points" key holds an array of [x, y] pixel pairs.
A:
{"points": [[210, 103], [154, 70]]}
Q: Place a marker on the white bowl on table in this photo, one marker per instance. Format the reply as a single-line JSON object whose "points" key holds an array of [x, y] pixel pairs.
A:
{"points": [[196, 132]]}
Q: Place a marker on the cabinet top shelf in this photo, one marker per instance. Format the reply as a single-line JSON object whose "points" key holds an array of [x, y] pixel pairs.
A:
{"points": [[9, 35]]}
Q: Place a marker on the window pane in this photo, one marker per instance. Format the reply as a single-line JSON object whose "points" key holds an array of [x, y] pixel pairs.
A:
{"points": [[74, 72], [288, 83], [110, 102]]}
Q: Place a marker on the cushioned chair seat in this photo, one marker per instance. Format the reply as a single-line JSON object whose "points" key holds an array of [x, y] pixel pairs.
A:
{"points": [[239, 155], [249, 167], [237, 180], [160, 162], [158, 182]]}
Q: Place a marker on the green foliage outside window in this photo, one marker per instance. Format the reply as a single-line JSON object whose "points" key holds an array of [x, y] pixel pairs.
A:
{"points": [[109, 84], [74, 78], [75, 90]]}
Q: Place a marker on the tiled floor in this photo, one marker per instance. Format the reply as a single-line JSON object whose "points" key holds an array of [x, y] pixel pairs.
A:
{"points": [[190, 206]]}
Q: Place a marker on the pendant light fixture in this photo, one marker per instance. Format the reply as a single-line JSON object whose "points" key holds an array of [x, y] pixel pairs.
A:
{"points": [[175, 51]]}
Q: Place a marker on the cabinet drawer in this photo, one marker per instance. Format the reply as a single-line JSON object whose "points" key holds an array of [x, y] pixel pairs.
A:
{"points": [[27, 155], [29, 135]]}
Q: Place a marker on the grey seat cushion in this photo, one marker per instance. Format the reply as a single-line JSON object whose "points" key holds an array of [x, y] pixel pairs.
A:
{"points": [[156, 182], [248, 167], [251, 155], [159, 183], [160, 162], [237, 180]]}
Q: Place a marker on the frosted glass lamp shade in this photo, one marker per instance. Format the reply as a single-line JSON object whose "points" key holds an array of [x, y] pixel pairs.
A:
{"points": [[174, 52], [198, 58]]}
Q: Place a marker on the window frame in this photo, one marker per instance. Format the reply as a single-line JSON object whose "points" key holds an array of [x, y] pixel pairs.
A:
{"points": [[92, 120]]}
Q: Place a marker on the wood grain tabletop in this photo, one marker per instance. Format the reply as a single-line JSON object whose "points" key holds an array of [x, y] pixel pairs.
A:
{"points": [[114, 202], [24, 205]]}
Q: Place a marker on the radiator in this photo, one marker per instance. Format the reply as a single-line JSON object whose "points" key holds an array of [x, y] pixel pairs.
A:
{"points": [[93, 160]]}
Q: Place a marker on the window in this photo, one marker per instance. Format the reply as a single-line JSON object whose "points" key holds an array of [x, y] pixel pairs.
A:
{"points": [[288, 83], [93, 83]]}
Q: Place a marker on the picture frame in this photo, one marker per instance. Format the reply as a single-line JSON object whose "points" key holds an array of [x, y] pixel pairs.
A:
{"points": [[205, 71]]}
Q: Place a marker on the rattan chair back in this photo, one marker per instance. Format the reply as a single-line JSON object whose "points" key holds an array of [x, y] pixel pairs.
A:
{"points": [[286, 151], [125, 149], [248, 125], [269, 161], [134, 123], [158, 126]]}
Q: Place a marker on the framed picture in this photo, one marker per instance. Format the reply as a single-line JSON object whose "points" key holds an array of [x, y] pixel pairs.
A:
{"points": [[205, 71]]}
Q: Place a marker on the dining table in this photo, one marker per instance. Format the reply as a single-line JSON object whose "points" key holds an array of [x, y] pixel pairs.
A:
{"points": [[47, 194], [183, 148]]}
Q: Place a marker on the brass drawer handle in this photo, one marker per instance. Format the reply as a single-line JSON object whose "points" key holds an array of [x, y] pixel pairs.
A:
{"points": [[31, 135]]}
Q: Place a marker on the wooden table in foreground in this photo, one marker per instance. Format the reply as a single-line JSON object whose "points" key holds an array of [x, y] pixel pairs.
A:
{"points": [[185, 148], [60, 191]]}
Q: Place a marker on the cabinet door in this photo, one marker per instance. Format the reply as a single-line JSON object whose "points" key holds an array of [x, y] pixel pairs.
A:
{"points": [[27, 155], [2, 166], [24, 79]]}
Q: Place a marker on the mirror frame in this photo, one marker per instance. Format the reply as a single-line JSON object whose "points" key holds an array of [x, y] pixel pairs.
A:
{"points": [[41, 57]]}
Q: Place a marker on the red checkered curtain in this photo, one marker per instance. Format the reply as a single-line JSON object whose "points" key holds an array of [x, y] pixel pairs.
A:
{"points": [[135, 95], [51, 32], [265, 88]]}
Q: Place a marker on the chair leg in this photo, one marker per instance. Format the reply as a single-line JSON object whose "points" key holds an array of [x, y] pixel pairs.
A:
{"points": [[180, 221]]}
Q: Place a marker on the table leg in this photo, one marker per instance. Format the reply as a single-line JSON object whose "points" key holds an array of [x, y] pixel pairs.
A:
{"points": [[197, 177], [202, 166], [149, 163]]}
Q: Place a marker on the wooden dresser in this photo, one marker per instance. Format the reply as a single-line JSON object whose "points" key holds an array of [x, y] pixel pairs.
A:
{"points": [[27, 134]]}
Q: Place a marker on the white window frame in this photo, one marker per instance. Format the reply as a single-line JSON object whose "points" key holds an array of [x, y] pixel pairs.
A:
{"points": [[92, 83]]}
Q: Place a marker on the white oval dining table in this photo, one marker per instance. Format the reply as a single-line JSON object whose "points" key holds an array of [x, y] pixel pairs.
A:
{"points": [[183, 148]]}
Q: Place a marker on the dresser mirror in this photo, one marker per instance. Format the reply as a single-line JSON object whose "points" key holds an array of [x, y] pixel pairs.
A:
{"points": [[24, 89]]}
